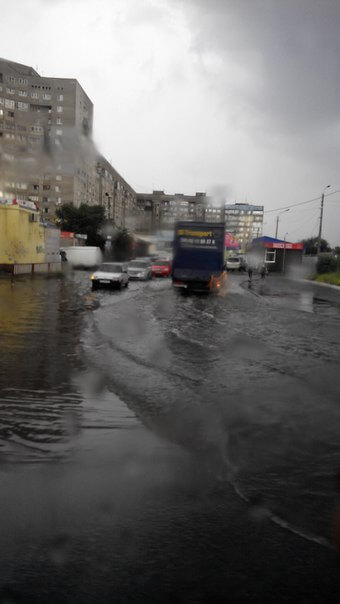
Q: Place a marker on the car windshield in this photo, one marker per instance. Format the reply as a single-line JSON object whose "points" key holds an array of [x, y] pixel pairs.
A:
{"points": [[111, 268], [169, 385], [138, 264]]}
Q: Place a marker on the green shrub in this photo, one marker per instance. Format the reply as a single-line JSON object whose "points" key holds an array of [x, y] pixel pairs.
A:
{"points": [[326, 264], [332, 278]]}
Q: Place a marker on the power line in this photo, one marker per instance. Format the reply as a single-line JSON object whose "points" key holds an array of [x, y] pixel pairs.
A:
{"points": [[306, 222], [301, 203]]}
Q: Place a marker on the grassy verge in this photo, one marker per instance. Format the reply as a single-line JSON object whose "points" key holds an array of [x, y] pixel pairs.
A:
{"points": [[332, 278]]}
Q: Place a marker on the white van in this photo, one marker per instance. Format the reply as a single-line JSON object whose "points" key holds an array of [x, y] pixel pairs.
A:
{"points": [[83, 256]]}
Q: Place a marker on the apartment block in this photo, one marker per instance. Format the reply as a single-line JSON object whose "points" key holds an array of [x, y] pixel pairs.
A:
{"points": [[159, 210], [244, 221], [115, 195], [46, 149]]}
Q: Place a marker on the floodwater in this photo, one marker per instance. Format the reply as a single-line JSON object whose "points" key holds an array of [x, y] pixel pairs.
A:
{"points": [[156, 445]]}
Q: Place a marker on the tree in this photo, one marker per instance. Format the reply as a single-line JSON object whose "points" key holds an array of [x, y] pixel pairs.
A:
{"points": [[86, 220], [122, 246], [311, 246]]}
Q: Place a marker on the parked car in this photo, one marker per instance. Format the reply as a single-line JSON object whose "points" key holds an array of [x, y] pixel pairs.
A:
{"points": [[161, 268], [233, 263], [140, 269], [111, 274]]}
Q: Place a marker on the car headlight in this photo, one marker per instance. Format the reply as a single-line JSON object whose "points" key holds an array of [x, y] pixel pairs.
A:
{"points": [[93, 277]]}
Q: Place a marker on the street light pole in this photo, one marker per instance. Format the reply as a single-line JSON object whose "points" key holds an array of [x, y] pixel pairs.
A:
{"points": [[321, 216], [284, 254]]}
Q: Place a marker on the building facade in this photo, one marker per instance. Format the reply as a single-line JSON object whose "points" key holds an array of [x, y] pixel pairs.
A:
{"points": [[159, 210], [115, 195], [26, 245], [278, 255], [244, 221], [46, 148], [47, 153]]}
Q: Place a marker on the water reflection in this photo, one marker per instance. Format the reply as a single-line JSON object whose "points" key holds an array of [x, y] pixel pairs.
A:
{"points": [[40, 328]]}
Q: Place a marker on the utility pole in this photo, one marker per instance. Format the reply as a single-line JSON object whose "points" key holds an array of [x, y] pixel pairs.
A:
{"points": [[284, 255], [277, 221], [321, 216]]}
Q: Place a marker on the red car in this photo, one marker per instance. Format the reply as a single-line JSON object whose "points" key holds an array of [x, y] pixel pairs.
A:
{"points": [[161, 268]]}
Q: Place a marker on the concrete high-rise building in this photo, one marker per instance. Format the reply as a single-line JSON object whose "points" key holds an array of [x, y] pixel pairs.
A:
{"points": [[46, 149], [159, 210], [116, 195], [244, 221]]}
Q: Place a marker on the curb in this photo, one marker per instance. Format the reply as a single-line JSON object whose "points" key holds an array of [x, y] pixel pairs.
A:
{"points": [[250, 290], [311, 282]]}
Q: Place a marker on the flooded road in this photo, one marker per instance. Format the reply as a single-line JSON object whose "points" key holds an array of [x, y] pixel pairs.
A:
{"points": [[155, 445]]}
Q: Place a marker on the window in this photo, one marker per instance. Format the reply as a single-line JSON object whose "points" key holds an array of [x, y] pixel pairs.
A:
{"points": [[59, 109], [10, 113], [36, 187], [59, 131], [9, 104], [22, 93], [60, 97], [34, 198], [270, 256], [34, 95], [1, 112], [10, 90], [22, 81], [46, 210], [22, 106], [10, 78], [46, 187], [57, 189], [59, 121], [58, 177], [2, 101], [46, 97]]}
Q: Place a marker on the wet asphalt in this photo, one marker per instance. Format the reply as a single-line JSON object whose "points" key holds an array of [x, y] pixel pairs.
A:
{"points": [[159, 446]]}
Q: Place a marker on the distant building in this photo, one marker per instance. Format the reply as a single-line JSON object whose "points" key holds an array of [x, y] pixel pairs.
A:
{"points": [[159, 210], [213, 212], [116, 195], [244, 221]]}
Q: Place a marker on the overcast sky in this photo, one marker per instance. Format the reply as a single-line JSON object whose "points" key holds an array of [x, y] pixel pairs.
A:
{"points": [[239, 96]]}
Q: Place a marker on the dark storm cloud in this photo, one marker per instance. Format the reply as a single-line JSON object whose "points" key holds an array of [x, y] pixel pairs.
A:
{"points": [[292, 47]]}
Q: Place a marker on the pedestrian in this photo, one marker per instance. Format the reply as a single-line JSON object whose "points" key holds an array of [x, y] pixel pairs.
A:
{"points": [[63, 256], [263, 271], [250, 273]]}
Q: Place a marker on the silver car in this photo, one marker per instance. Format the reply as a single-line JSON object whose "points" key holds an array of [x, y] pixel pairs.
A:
{"points": [[111, 274], [140, 269]]}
